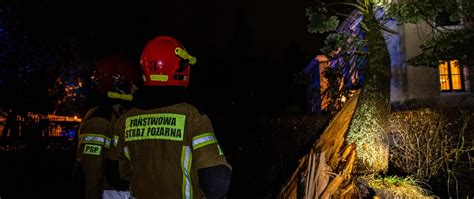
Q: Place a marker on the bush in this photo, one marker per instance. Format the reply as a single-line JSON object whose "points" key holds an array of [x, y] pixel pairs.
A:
{"points": [[433, 143]]}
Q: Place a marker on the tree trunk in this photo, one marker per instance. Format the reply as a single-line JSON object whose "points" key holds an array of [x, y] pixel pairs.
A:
{"points": [[368, 126]]}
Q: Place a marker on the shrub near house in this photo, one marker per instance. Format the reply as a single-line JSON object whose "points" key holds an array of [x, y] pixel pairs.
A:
{"points": [[435, 146]]}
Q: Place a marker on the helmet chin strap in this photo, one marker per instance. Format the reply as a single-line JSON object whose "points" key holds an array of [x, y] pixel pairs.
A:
{"points": [[115, 95]]}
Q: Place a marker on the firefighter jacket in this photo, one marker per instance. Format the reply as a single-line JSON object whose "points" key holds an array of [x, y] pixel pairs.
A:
{"points": [[166, 146], [94, 142]]}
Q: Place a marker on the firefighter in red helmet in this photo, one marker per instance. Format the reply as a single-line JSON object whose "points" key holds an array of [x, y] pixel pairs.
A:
{"points": [[171, 146], [115, 78]]}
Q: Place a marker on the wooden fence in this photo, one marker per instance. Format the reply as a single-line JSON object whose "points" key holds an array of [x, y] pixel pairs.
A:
{"points": [[47, 125]]}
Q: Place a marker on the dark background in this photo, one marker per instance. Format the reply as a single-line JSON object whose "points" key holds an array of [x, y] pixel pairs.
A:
{"points": [[247, 51], [243, 47]]}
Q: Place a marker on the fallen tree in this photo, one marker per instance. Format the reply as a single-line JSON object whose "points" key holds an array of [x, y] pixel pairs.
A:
{"points": [[327, 170]]}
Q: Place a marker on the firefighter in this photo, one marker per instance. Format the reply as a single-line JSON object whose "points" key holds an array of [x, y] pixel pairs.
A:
{"points": [[172, 147], [115, 77]]}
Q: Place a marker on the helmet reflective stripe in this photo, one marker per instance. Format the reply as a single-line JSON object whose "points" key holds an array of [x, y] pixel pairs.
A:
{"points": [[160, 78], [115, 95], [186, 160], [94, 139], [203, 140], [126, 152]]}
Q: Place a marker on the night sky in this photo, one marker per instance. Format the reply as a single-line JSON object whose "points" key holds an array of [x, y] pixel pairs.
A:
{"points": [[243, 47]]}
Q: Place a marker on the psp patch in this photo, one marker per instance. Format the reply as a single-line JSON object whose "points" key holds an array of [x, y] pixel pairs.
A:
{"points": [[92, 149]]}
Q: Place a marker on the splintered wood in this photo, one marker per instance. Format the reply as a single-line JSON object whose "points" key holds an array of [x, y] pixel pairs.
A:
{"points": [[326, 171]]}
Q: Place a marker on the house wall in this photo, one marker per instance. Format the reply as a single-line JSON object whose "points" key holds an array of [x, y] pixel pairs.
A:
{"points": [[399, 84], [418, 83], [410, 82]]}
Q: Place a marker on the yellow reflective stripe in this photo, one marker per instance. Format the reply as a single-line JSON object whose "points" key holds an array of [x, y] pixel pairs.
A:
{"points": [[126, 152], [115, 95], [107, 142], [220, 150], [185, 55], [161, 126], [94, 139], [203, 140], [116, 139], [92, 149], [186, 160], [92, 134], [159, 78]]}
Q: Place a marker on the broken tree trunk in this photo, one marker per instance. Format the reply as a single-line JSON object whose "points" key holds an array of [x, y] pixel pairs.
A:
{"points": [[329, 156]]}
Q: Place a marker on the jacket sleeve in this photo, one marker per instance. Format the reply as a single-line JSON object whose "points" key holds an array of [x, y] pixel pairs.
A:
{"points": [[92, 147], [78, 180], [215, 181], [112, 174], [206, 149], [214, 172], [115, 157]]}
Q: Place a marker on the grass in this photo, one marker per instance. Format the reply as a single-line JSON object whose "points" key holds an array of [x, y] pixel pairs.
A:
{"points": [[397, 187]]}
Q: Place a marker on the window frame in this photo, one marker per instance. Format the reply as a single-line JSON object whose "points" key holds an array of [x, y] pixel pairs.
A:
{"points": [[450, 77]]}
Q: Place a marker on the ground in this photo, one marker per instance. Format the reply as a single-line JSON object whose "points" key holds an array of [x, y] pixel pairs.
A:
{"points": [[39, 173]]}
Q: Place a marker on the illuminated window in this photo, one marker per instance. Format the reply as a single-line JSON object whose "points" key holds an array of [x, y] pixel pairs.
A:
{"points": [[450, 76]]}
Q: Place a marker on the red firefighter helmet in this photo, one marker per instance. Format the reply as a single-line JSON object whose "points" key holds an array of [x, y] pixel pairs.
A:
{"points": [[165, 62], [115, 76]]}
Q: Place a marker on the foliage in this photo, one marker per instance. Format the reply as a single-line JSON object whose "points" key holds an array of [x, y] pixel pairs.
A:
{"points": [[446, 43], [320, 22], [334, 94], [334, 41], [343, 76], [448, 46], [432, 143], [413, 11], [392, 181]]}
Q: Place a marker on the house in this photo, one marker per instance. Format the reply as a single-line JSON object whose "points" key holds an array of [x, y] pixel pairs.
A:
{"points": [[445, 85]]}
